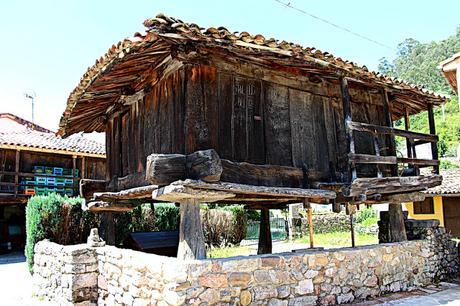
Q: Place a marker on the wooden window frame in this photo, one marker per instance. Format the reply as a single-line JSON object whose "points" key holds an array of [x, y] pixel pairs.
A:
{"points": [[425, 207]]}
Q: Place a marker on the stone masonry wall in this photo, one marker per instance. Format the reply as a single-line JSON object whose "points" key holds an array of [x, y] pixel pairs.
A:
{"points": [[126, 277], [66, 275]]}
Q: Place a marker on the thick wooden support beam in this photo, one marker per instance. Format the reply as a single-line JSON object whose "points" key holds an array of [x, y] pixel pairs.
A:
{"points": [[191, 238], [116, 207], [275, 192], [397, 230], [107, 228], [434, 147], [387, 111], [409, 142], [163, 169], [204, 165], [265, 175], [88, 187], [265, 235], [143, 192], [352, 174], [384, 185]]}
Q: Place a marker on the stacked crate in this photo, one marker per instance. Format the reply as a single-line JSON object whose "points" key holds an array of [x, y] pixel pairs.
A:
{"points": [[49, 179]]}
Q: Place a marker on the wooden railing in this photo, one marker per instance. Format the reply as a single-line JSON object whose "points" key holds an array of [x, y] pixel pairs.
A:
{"points": [[413, 139]]}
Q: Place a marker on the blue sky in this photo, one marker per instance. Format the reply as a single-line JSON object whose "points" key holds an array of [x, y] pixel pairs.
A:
{"points": [[48, 45]]}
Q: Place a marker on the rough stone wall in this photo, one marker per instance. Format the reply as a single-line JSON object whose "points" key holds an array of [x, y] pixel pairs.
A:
{"points": [[305, 278], [66, 275]]}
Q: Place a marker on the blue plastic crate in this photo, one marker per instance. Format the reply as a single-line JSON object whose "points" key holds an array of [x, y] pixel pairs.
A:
{"points": [[49, 170], [50, 181], [40, 180], [68, 182], [68, 191], [57, 171], [38, 169]]}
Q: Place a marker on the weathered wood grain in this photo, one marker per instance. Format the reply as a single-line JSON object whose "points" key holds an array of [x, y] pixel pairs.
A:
{"points": [[191, 238]]}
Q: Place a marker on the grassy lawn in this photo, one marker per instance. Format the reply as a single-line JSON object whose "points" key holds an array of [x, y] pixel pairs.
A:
{"points": [[340, 239], [229, 252]]}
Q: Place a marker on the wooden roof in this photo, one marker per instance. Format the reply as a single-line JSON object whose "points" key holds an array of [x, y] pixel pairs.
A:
{"points": [[449, 69], [148, 57]]}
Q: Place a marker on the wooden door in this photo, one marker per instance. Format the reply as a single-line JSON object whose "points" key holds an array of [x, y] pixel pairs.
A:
{"points": [[451, 207]]}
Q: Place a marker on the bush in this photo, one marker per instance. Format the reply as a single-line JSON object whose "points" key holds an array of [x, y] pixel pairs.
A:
{"points": [[224, 226], [365, 214], [57, 218]]}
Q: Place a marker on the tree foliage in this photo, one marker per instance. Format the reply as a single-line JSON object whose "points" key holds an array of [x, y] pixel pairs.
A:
{"points": [[417, 63]]}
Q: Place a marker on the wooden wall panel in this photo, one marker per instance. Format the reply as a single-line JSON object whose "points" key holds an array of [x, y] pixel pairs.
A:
{"points": [[225, 104], [277, 125], [308, 131], [201, 115]]}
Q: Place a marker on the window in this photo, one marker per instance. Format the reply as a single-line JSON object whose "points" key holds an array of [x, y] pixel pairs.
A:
{"points": [[424, 207]]}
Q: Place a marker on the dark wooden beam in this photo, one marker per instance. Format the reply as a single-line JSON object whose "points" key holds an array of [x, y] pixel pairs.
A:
{"points": [[372, 159], [107, 228], [389, 123], [191, 238], [397, 230], [265, 236], [434, 147], [409, 143], [352, 174], [384, 130]]}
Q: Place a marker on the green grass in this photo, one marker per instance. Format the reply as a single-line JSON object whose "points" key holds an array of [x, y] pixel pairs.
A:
{"points": [[339, 239], [229, 252], [369, 221]]}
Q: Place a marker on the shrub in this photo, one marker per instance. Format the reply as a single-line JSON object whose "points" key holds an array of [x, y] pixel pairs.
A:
{"points": [[364, 214], [57, 218], [224, 226]]}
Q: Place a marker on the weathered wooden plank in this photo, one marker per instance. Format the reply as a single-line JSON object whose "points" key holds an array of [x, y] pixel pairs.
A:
{"points": [[225, 98], [417, 161], [177, 192], [144, 192], [239, 117], [372, 159], [277, 125], [204, 165], [434, 146], [347, 116], [255, 123], [384, 185], [276, 192], [108, 207], [265, 175], [378, 129]]}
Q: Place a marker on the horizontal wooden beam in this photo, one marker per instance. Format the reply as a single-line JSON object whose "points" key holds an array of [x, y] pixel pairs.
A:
{"points": [[416, 161], [102, 206], [371, 159], [378, 129], [392, 185], [275, 192], [144, 192]]}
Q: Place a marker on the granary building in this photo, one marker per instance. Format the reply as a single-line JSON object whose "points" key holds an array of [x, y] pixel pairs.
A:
{"points": [[34, 161], [281, 124]]}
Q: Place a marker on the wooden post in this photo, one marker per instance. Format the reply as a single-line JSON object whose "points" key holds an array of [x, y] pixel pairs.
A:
{"points": [[191, 238], [16, 170], [83, 167], [396, 228], [389, 123], [434, 146], [410, 145], [265, 236], [107, 228], [352, 174], [74, 176], [351, 210], [310, 224]]}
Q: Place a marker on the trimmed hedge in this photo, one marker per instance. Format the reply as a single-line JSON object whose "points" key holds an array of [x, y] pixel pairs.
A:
{"points": [[57, 218]]}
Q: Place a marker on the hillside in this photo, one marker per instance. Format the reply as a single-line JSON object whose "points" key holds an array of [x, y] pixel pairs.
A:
{"points": [[418, 63]]}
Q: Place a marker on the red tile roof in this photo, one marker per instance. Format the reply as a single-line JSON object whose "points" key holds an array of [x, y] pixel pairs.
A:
{"points": [[39, 140], [25, 123], [450, 183]]}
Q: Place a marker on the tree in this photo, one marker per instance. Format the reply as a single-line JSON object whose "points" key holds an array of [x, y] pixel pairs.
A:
{"points": [[417, 63]]}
